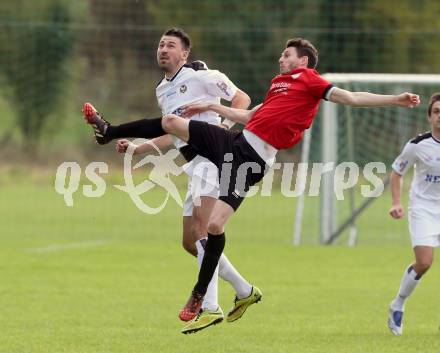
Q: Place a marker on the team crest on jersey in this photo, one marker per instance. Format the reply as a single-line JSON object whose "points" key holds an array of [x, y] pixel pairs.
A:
{"points": [[183, 89], [223, 87], [295, 76]]}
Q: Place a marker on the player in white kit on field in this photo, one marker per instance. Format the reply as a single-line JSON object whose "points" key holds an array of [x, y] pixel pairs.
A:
{"points": [[423, 152], [184, 84]]}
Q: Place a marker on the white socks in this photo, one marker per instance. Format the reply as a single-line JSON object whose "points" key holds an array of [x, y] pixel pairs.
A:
{"points": [[409, 282], [226, 271]]}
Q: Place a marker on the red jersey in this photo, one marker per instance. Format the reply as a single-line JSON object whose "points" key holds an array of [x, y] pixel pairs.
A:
{"points": [[289, 107]]}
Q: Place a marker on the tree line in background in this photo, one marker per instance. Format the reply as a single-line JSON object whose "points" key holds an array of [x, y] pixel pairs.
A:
{"points": [[107, 47]]}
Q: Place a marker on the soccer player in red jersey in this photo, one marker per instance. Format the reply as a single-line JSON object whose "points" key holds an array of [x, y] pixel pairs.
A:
{"points": [[278, 123]]}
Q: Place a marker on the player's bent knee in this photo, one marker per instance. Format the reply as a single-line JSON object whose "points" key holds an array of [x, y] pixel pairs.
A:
{"points": [[216, 227], [198, 232], [169, 122], [423, 266]]}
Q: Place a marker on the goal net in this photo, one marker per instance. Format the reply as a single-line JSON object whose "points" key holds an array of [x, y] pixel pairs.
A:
{"points": [[342, 134]]}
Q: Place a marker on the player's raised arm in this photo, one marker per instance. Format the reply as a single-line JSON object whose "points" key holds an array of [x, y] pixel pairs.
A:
{"points": [[366, 99], [241, 116]]}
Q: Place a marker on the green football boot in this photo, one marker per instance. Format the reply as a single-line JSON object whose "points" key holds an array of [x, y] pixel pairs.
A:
{"points": [[240, 305], [204, 319]]}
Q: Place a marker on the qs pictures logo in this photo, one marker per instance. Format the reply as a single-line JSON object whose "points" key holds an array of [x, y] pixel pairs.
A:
{"points": [[68, 177]]}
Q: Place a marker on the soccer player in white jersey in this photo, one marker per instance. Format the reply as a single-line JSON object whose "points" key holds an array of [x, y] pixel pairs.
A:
{"points": [[183, 84], [423, 152]]}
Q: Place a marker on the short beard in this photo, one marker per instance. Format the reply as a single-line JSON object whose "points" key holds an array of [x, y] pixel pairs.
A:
{"points": [[163, 67]]}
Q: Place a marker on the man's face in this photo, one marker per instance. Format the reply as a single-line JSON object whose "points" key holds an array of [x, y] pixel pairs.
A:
{"points": [[171, 53], [289, 60], [434, 118]]}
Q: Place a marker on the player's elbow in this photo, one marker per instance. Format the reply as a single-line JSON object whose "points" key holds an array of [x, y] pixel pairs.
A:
{"points": [[169, 122], [247, 100], [395, 176], [241, 100], [350, 98]]}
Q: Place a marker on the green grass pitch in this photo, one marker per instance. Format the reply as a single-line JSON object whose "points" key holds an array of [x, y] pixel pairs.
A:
{"points": [[103, 277]]}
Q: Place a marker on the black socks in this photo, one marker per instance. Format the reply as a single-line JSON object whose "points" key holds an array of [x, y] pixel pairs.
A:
{"points": [[144, 128], [213, 250]]}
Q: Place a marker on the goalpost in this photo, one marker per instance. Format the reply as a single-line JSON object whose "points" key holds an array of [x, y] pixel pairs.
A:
{"points": [[361, 135]]}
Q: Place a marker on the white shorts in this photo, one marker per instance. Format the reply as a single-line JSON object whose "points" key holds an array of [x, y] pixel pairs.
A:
{"points": [[202, 181], [424, 227]]}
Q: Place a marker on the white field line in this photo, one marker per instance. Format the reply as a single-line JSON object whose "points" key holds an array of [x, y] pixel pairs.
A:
{"points": [[62, 247]]}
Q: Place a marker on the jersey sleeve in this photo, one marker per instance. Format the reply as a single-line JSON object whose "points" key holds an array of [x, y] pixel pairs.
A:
{"points": [[406, 159], [318, 86], [218, 84]]}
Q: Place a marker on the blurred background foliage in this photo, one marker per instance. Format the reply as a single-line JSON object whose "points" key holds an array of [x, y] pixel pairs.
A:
{"points": [[56, 54]]}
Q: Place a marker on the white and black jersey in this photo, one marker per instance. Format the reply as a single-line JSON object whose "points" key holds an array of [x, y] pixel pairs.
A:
{"points": [[191, 86], [423, 152]]}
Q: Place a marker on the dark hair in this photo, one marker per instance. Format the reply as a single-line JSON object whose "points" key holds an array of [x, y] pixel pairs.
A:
{"points": [[305, 48], [181, 34], [434, 98]]}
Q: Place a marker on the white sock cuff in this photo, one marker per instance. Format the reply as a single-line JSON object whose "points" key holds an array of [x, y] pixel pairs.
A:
{"points": [[412, 273], [200, 245]]}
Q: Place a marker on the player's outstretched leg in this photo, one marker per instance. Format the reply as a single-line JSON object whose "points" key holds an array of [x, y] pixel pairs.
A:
{"points": [[204, 319], [105, 132]]}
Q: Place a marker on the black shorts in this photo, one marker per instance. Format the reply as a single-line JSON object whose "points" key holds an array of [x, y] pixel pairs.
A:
{"points": [[240, 166], [188, 152]]}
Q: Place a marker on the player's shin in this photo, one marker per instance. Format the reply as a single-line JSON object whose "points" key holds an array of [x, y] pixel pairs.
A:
{"points": [[144, 128], [213, 250], [409, 282], [210, 301]]}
